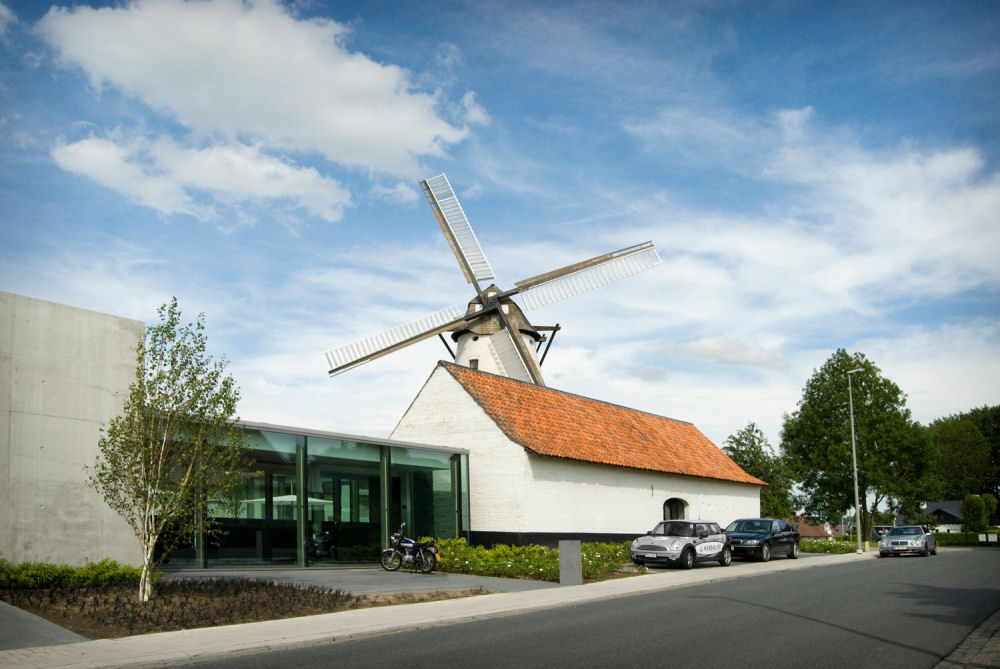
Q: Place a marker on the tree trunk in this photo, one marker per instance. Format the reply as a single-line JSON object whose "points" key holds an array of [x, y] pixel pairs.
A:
{"points": [[146, 576], [866, 523]]}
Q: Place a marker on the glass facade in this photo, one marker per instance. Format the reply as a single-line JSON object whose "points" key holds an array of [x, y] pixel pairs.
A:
{"points": [[311, 498]]}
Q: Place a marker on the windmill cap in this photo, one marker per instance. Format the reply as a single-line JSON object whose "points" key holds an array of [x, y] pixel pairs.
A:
{"points": [[490, 323]]}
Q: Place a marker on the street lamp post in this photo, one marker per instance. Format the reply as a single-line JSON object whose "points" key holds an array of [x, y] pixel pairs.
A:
{"points": [[854, 457]]}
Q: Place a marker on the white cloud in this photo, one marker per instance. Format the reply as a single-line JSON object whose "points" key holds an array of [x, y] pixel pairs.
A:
{"points": [[474, 113], [696, 136], [924, 360], [400, 192], [7, 18], [284, 83], [165, 176], [114, 166], [729, 351]]}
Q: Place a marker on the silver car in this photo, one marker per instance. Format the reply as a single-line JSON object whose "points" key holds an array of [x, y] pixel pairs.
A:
{"points": [[907, 539], [682, 543]]}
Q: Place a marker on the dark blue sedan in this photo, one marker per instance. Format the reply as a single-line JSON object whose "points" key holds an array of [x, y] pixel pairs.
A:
{"points": [[760, 538]]}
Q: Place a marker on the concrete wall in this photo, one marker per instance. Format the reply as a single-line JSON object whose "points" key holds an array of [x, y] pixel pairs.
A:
{"points": [[63, 373], [515, 491]]}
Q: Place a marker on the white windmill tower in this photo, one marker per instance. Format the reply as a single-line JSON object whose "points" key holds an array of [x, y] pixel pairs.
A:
{"points": [[493, 334]]}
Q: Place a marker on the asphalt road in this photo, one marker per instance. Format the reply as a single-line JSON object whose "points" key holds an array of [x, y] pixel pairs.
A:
{"points": [[896, 612]]}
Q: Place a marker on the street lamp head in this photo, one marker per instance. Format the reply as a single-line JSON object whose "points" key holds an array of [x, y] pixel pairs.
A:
{"points": [[854, 371]]}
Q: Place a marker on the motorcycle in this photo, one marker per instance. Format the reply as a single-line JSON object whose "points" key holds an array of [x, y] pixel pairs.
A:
{"points": [[422, 556], [325, 546]]}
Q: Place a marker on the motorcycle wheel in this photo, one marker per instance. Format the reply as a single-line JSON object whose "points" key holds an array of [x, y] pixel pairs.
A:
{"points": [[391, 559], [427, 561]]}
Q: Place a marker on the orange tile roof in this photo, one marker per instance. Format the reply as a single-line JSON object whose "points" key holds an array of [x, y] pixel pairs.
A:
{"points": [[555, 423]]}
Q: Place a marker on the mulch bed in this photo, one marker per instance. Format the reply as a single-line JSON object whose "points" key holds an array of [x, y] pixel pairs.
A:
{"points": [[109, 612]]}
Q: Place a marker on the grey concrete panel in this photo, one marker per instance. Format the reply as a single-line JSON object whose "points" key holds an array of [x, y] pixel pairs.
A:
{"points": [[570, 562], [63, 373]]}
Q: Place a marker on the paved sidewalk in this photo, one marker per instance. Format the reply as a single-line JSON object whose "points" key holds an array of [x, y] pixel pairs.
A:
{"points": [[20, 629], [201, 644]]}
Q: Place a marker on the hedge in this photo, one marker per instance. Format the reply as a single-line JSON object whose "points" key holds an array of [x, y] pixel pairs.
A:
{"points": [[44, 575]]}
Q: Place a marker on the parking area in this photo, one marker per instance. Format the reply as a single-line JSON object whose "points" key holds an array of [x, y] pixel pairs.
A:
{"points": [[368, 580]]}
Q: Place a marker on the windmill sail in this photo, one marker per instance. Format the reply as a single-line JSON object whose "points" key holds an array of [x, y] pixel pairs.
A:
{"points": [[505, 344], [587, 275], [507, 357], [363, 350], [457, 229]]}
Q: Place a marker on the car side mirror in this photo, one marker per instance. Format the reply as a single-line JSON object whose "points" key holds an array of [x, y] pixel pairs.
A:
{"points": [[649, 532], [702, 535]]}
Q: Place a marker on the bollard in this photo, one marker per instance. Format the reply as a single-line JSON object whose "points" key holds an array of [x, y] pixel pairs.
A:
{"points": [[570, 562]]}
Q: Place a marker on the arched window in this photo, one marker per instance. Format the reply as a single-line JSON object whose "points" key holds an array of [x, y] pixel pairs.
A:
{"points": [[674, 508]]}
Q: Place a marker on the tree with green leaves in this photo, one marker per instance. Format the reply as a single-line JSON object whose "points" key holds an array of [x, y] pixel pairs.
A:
{"points": [[991, 504], [175, 445], [987, 419], [962, 457], [974, 515], [894, 453], [750, 449]]}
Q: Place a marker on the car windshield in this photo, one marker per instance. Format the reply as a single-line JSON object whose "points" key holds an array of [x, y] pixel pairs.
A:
{"points": [[675, 529], [749, 526], [904, 531]]}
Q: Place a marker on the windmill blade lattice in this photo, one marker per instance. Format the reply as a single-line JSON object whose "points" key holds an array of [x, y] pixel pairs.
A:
{"points": [[351, 355], [457, 229], [507, 357], [587, 275]]}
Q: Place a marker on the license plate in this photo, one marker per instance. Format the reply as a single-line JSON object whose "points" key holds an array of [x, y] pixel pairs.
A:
{"points": [[650, 555]]}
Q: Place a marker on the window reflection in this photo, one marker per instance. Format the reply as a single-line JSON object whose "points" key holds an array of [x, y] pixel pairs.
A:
{"points": [[319, 500]]}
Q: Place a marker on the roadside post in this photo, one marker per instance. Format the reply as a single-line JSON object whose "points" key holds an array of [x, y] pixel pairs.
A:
{"points": [[570, 562]]}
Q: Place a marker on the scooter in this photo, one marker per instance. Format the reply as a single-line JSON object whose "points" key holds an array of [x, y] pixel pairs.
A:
{"points": [[422, 556]]}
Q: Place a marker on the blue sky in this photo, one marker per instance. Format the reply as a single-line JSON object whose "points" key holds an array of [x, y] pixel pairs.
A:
{"points": [[815, 175]]}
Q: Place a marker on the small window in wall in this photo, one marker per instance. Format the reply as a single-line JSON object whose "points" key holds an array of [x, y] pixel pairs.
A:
{"points": [[474, 363], [674, 509]]}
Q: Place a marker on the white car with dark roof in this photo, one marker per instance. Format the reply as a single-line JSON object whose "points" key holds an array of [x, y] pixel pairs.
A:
{"points": [[682, 543]]}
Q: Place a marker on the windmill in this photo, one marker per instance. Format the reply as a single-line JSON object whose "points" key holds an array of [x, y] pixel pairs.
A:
{"points": [[493, 333]]}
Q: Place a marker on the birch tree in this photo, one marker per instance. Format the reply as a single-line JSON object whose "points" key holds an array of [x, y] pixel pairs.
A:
{"points": [[175, 446]]}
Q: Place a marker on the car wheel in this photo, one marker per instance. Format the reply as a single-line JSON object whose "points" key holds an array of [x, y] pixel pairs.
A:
{"points": [[794, 554], [925, 552], [687, 559], [726, 557], [638, 563], [882, 554], [934, 550], [765, 552]]}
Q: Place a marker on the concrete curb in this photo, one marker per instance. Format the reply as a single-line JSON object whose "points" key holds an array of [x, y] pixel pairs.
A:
{"points": [[185, 646]]}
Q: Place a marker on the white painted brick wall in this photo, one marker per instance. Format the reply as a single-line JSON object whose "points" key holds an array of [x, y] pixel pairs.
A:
{"points": [[512, 490]]}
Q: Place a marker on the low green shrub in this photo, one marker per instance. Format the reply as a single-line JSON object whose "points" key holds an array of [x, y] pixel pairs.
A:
{"points": [[531, 562], [45, 575], [963, 538], [824, 546], [602, 559]]}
